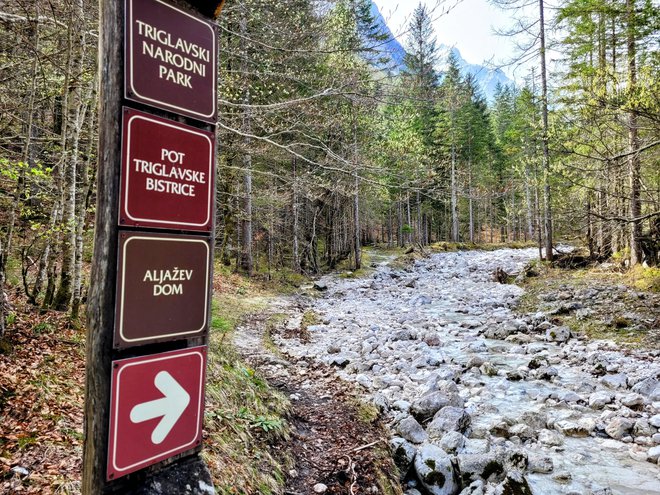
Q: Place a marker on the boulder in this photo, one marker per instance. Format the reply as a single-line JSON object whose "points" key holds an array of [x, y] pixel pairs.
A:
{"points": [[403, 454], [474, 467], [655, 421], [522, 431], [546, 372], [632, 400], [535, 420], [540, 464], [619, 380], [411, 430], [426, 406], [435, 471], [642, 428], [599, 400], [558, 334], [474, 362], [447, 419], [653, 454], [619, 427], [452, 442], [571, 429], [649, 387], [488, 369]]}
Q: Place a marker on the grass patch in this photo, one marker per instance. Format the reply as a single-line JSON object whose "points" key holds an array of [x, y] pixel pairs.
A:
{"points": [[43, 328], [282, 280], [347, 265], [275, 321], [309, 319], [646, 279], [597, 331], [244, 415], [606, 320]]}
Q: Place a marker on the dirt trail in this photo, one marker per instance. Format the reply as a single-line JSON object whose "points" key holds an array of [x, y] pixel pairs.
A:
{"points": [[336, 441]]}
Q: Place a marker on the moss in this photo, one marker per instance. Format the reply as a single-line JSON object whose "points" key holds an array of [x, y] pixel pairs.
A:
{"points": [[386, 485], [493, 467], [310, 318], [645, 279], [367, 412], [435, 478]]}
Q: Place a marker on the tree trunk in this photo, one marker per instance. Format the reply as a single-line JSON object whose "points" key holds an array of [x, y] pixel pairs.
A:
{"points": [[454, 197], [357, 247], [400, 239], [408, 219], [529, 215], [546, 151], [604, 238], [246, 252], [3, 297], [390, 227], [634, 171], [294, 205], [83, 193], [471, 204], [73, 110]]}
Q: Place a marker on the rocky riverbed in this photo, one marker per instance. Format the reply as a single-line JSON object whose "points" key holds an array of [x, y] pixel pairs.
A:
{"points": [[482, 400]]}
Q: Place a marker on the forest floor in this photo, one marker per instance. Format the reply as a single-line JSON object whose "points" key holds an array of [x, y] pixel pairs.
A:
{"points": [[274, 423]]}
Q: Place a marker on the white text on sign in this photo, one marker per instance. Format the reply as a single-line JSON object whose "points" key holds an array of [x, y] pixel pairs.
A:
{"points": [[171, 171], [160, 278], [177, 68]]}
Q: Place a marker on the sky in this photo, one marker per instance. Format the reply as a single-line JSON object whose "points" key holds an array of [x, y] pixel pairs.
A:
{"points": [[469, 26]]}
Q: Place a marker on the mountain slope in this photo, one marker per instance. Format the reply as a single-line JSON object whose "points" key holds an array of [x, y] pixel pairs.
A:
{"points": [[486, 78]]}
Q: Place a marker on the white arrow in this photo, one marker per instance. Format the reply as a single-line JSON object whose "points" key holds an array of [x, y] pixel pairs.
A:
{"points": [[170, 407]]}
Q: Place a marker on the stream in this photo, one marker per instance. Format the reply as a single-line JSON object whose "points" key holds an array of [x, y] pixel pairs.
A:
{"points": [[482, 400]]}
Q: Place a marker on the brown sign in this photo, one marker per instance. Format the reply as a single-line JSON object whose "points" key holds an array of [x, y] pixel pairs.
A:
{"points": [[167, 174], [170, 58], [162, 288], [156, 408]]}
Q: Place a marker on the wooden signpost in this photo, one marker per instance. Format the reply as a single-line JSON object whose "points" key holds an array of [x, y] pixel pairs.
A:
{"points": [[150, 292]]}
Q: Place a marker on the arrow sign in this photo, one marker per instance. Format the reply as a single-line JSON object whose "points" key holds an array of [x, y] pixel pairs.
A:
{"points": [[156, 409], [170, 407]]}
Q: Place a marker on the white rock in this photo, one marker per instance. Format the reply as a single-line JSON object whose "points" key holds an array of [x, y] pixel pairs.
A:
{"points": [[632, 400], [653, 454], [655, 420], [320, 488], [598, 400], [552, 438]]}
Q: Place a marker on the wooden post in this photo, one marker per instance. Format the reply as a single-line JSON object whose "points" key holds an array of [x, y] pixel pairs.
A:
{"points": [[101, 302], [180, 470]]}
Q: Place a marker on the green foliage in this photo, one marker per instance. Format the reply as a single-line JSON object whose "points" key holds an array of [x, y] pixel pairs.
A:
{"points": [[645, 278], [244, 415], [43, 328]]}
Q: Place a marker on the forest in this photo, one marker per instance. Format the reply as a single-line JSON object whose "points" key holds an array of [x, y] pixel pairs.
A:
{"points": [[326, 146]]}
